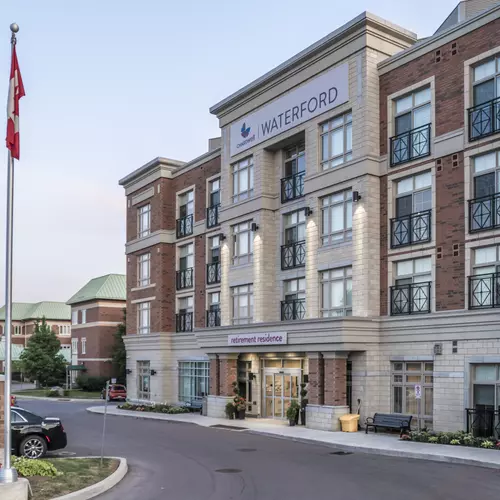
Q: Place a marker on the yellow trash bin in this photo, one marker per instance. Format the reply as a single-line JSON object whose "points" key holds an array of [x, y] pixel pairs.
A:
{"points": [[349, 423]]}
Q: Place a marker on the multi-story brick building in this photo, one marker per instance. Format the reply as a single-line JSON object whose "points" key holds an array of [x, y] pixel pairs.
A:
{"points": [[96, 311], [356, 237], [24, 316]]}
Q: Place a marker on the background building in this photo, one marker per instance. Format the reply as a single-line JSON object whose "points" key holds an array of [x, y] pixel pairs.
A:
{"points": [[96, 311]]}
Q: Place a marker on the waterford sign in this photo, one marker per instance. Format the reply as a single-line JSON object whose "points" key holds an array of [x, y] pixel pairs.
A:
{"points": [[321, 94]]}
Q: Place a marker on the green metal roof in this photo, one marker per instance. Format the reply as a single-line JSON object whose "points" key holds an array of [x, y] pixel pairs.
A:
{"points": [[109, 287], [17, 349], [22, 311]]}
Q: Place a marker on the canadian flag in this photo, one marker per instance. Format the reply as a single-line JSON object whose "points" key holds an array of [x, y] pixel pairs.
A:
{"points": [[16, 91]]}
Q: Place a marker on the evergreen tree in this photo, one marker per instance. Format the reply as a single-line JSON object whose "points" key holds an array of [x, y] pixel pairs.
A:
{"points": [[119, 355], [41, 359]]}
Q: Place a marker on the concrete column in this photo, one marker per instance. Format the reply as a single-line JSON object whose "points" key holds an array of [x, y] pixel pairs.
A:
{"points": [[214, 375], [315, 393], [228, 374], [335, 378], [2, 387]]}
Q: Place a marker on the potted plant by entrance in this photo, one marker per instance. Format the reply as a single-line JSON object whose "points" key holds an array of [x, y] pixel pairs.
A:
{"points": [[240, 406], [292, 413], [303, 404], [230, 410]]}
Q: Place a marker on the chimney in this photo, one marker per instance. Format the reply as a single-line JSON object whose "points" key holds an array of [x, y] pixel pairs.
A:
{"points": [[214, 144]]}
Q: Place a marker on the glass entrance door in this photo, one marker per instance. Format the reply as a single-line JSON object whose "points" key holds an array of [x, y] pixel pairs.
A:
{"points": [[280, 390]]}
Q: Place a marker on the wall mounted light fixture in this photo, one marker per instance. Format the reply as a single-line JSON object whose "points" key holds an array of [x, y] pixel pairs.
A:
{"points": [[222, 236], [128, 371], [309, 211], [254, 226], [152, 372], [356, 196]]}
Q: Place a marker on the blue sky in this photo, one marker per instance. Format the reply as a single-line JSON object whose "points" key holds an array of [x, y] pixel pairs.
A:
{"points": [[111, 85]]}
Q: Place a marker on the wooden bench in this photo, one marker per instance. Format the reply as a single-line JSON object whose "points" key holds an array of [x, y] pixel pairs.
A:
{"points": [[389, 421], [195, 405]]}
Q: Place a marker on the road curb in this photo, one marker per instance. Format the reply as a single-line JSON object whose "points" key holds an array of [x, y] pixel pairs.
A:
{"points": [[100, 487], [384, 452], [139, 415], [65, 400]]}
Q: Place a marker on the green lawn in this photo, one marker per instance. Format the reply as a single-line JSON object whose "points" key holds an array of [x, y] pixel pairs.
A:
{"points": [[74, 393], [78, 473]]}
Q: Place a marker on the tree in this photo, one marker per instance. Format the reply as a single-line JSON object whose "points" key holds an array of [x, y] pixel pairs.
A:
{"points": [[41, 359], [119, 355]]}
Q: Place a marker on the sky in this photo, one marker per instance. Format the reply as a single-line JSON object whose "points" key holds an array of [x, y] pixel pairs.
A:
{"points": [[111, 85]]}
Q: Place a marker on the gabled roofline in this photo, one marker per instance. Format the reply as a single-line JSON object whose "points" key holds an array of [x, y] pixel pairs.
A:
{"points": [[309, 52]]}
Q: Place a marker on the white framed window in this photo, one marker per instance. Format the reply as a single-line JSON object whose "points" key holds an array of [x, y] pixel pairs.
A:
{"points": [[144, 317], [143, 380], [18, 329], [295, 227], [186, 204], [184, 320], [186, 257], [413, 271], [214, 193], [336, 141], [64, 330], [74, 346], [144, 269], [144, 220], [486, 81], [74, 317], [414, 194], [486, 173], [412, 111], [84, 345], [336, 218], [242, 304], [336, 292], [412, 290], [242, 243], [84, 316], [295, 160], [242, 173], [194, 380]]}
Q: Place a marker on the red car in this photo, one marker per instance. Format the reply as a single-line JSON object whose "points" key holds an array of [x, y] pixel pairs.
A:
{"points": [[116, 392], [13, 401]]}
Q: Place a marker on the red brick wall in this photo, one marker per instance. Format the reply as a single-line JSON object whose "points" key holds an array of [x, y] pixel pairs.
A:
{"points": [[449, 79], [200, 280], [335, 382], [228, 375], [316, 381], [450, 231], [214, 377]]}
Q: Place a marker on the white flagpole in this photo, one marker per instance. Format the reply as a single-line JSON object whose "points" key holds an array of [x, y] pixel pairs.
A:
{"points": [[7, 473]]}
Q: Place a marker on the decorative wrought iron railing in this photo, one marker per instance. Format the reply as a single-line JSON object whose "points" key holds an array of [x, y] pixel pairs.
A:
{"points": [[414, 298], [213, 216], [293, 255], [484, 213], [292, 187], [484, 291], [411, 145], [484, 119], [483, 422], [184, 278], [213, 318], [411, 229], [184, 322], [184, 226], [213, 273], [293, 309]]}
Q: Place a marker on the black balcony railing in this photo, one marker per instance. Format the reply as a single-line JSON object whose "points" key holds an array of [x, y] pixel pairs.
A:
{"points": [[213, 318], [213, 216], [484, 119], [292, 187], [184, 279], [411, 229], [184, 322], [483, 422], [293, 309], [484, 213], [185, 226], [213, 273], [293, 255], [411, 145], [414, 298], [484, 291]]}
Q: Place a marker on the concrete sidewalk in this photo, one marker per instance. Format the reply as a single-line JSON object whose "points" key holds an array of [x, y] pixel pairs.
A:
{"points": [[378, 444]]}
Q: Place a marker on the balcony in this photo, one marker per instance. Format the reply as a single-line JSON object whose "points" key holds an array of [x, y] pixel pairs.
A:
{"points": [[293, 309], [213, 216], [411, 299], [411, 229], [411, 145], [292, 187], [213, 318], [293, 255], [213, 273], [484, 119], [184, 279], [483, 422], [484, 292], [484, 213], [184, 226], [184, 322]]}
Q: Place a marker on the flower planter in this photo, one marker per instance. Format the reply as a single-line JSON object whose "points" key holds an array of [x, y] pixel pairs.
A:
{"points": [[291, 423], [241, 414]]}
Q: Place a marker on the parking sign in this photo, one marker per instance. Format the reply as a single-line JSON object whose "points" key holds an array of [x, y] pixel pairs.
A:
{"points": [[418, 392]]}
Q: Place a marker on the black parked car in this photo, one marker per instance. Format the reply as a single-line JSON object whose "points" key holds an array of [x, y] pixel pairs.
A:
{"points": [[33, 436]]}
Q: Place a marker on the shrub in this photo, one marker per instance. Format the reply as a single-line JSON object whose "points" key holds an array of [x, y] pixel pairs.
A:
{"points": [[52, 393], [28, 467], [469, 440], [487, 444], [91, 384], [444, 439], [433, 439], [154, 408], [455, 442], [420, 437]]}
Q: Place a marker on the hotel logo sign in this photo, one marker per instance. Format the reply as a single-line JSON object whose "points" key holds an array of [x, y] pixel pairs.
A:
{"points": [[250, 339], [319, 95]]}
